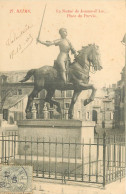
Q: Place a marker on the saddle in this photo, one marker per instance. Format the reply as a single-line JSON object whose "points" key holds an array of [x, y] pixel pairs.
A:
{"points": [[77, 73]]}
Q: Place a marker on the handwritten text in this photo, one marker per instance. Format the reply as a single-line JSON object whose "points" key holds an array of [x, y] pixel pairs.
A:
{"points": [[19, 41]]}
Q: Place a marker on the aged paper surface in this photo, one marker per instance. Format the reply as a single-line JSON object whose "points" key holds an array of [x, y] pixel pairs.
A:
{"points": [[87, 22]]}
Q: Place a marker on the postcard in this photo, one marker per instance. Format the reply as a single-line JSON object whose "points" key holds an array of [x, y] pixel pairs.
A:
{"points": [[62, 96]]}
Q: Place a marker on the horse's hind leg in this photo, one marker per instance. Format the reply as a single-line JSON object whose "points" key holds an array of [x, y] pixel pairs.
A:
{"points": [[30, 102], [48, 98]]}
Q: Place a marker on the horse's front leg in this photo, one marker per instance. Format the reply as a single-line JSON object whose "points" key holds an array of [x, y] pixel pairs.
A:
{"points": [[73, 101], [84, 86], [92, 96]]}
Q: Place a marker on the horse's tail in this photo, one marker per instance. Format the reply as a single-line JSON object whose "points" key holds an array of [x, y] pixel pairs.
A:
{"points": [[28, 75]]}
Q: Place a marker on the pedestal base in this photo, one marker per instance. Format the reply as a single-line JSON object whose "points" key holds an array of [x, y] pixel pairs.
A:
{"points": [[55, 138]]}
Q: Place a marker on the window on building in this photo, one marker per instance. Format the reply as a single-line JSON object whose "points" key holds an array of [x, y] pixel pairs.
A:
{"points": [[51, 114], [111, 115], [62, 94], [69, 93], [57, 94], [94, 115], [20, 91], [51, 105], [67, 105], [37, 108], [36, 96], [5, 114], [87, 115], [78, 115]]}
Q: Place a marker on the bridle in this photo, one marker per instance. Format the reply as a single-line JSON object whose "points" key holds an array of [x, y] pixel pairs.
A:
{"points": [[93, 72]]}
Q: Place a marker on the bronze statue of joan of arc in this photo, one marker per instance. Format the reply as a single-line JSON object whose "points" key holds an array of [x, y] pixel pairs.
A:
{"points": [[63, 59]]}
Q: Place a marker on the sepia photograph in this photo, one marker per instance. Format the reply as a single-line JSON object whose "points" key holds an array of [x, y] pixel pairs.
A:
{"points": [[62, 96]]}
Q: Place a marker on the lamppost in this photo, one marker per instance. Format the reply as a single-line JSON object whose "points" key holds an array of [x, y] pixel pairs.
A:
{"points": [[124, 43]]}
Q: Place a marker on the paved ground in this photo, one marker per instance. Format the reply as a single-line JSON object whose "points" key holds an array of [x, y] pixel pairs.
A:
{"points": [[42, 187]]}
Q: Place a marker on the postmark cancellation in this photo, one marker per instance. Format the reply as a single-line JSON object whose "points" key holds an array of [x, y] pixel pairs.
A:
{"points": [[15, 179]]}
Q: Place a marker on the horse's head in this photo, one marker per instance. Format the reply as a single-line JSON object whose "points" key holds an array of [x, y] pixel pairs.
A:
{"points": [[94, 57], [91, 54]]}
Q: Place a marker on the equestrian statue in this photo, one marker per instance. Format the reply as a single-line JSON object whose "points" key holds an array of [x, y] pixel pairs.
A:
{"points": [[65, 75]]}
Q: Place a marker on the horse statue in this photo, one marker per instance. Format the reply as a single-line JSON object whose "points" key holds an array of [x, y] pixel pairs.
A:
{"points": [[47, 78]]}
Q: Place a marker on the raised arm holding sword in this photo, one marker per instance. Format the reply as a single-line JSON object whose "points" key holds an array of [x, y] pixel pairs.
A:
{"points": [[65, 46]]}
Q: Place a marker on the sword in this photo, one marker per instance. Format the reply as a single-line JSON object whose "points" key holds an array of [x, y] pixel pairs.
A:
{"points": [[41, 23]]}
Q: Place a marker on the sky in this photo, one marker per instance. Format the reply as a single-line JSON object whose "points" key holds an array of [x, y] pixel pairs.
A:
{"points": [[101, 22]]}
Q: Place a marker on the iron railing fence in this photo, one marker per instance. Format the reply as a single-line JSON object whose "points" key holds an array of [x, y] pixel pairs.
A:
{"points": [[99, 162]]}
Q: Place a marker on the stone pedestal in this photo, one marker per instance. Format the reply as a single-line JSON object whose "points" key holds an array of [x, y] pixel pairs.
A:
{"points": [[62, 131]]}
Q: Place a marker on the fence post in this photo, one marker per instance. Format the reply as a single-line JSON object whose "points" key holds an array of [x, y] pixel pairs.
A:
{"points": [[49, 155], [19, 146], [97, 172], [75, 160], [82, 160], [62, 162], [31, 151], [120, 160], [104, 158], [43, 157], [114, 152], [69, 160], [123, 152], [56, 159], [2, 147], [89, 159], [14, 146], [25, 150], [5, 138], [37, 169], [9, 148]]}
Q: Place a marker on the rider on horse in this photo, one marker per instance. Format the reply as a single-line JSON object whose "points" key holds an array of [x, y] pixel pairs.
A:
{"points": [[63, 58]]}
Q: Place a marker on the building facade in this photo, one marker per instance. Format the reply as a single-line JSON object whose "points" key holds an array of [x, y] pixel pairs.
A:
{"points": [[119, 102]]}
